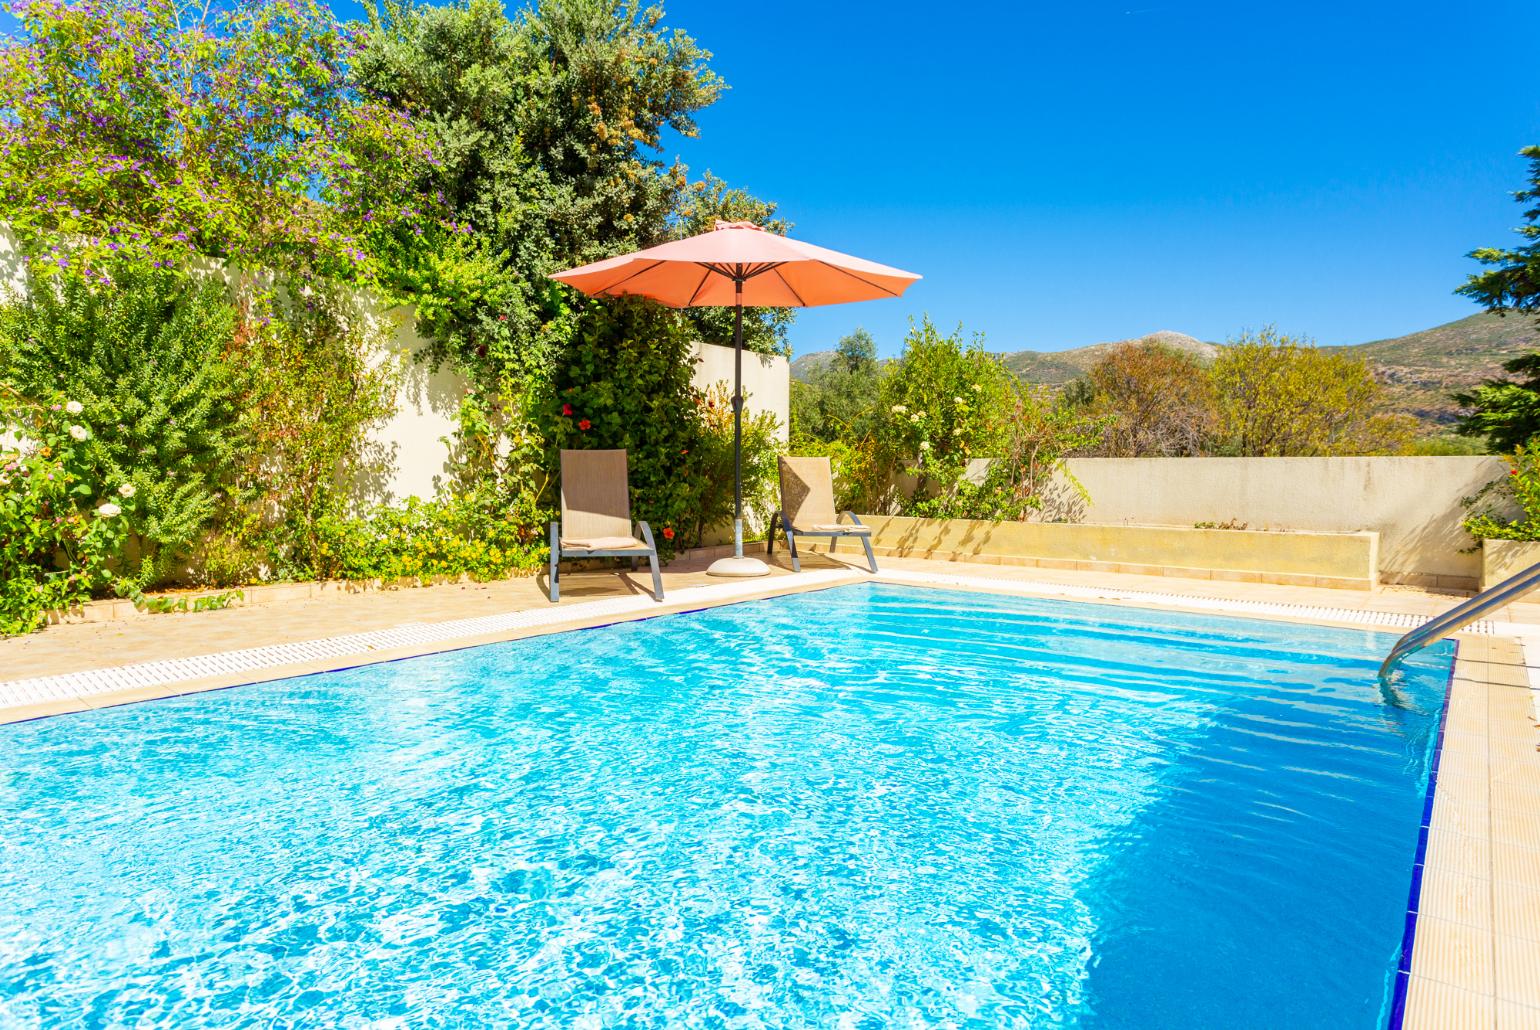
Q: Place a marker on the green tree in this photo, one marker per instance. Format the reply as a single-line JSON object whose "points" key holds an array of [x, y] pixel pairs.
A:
{"points": [[1512, 284], [1506, 412], [1279, 396], [548, 126], [841, 394]]}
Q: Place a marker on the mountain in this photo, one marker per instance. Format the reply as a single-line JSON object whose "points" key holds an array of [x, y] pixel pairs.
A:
{"points": [[1055, 368], [802, 368], [1420, 369]]}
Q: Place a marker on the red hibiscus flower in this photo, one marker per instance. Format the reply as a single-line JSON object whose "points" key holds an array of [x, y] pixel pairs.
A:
{"points": [[566, 409], [585, 424], [668, 532]]}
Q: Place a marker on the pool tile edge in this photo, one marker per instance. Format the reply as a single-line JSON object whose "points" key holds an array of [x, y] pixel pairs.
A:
{"points": [[1461, 968]]}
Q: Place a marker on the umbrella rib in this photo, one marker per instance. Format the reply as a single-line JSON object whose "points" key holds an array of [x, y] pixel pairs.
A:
{"points": [[706, 277], [875, 286], [800, 302], [633, 275]]}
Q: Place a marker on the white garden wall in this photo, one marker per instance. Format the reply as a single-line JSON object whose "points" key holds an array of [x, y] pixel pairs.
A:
{"points": [[413, 440]]}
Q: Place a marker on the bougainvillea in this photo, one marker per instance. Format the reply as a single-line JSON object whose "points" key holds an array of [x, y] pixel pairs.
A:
{"points": [[164, 131]]}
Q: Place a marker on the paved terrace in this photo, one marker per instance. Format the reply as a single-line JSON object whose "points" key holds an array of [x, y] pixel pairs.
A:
{"points": [[1474, 957]]}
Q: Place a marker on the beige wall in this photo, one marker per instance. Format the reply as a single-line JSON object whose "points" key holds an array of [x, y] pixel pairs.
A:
{"points": [[414, 438], [1412, 503], [412, 443], [766, 381]]}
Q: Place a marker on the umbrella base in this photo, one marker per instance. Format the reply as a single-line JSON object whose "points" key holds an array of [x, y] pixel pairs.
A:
{"points": [[738, 567]]}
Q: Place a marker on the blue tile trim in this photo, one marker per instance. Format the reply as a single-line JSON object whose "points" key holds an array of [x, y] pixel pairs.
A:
{"points": [[1397, 1016]]}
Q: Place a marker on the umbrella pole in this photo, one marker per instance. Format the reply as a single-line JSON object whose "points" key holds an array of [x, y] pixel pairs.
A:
{"points": [[738, 419], [738, 565]]}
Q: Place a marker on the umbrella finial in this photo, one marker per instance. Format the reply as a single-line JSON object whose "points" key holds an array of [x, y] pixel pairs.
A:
{"points": [[721, 224]]}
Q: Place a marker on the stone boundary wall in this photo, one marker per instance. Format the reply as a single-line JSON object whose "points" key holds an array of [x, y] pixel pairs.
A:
{"points": [[1340, 560], [1413, 503]]}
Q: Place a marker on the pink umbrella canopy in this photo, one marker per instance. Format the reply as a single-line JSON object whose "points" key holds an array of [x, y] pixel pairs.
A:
{"points": [[707, 271], [739, 264]]}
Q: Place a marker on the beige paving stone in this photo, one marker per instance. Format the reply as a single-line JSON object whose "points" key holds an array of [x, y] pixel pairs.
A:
{"points": [[43, 709], [1459, 899], [1460, 806], [1454, 954], [1513, 1016], [1516, 911], [1519, 826], [1514, 863], [1466, 765], [1458, 854], [1431, 1005], [1518, 970]]}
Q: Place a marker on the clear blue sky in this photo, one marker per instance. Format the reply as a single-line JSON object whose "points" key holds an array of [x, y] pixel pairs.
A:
{"points": [[1064, 174], [1068, 173]]}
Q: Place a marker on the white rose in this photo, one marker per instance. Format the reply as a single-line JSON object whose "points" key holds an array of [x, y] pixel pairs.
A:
{"points": [[109, 510], [924, 445], [915, 417], [74, 407], [126, 490], [899, 409], [79, 432], [958, 400]]}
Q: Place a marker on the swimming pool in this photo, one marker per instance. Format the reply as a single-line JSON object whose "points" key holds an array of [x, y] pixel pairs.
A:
{"points": [[864, 806]]}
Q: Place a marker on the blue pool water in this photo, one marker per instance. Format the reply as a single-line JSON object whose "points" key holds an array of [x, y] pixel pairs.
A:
{"points": [[865, 807]]}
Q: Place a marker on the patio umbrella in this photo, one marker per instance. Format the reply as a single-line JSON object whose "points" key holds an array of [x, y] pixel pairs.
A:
{"points": [[733, 265]]}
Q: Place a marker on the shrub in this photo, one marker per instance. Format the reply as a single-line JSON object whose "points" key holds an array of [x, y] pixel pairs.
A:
{"points": [[624, 382], [942, 404], [1283, 397], [61, 527], [1157, 401], [1521, 487], [422, 539], [956, 435], [714, 462], [147, 353], [312, 393]]}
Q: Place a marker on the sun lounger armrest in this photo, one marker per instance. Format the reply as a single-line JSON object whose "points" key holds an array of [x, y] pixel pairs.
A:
{"points": [[851, 516], [646, 532]]}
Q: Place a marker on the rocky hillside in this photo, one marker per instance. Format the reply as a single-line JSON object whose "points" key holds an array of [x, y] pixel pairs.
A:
{"points": [[1421, 368], [1055, 368]]}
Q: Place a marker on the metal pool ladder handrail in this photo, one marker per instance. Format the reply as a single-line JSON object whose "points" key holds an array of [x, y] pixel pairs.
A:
{"points": [[1460, 616]]}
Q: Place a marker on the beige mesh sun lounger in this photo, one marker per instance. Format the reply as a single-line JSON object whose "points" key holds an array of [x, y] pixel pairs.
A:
{"points": [[596, 516], [807, 509]]}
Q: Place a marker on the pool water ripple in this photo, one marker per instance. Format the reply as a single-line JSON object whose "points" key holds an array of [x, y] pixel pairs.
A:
{"points": [[866, 806]]}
